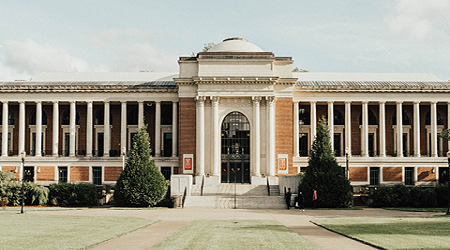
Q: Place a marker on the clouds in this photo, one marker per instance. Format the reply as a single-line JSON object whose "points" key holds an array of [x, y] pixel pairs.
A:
{"points": [[420, 18]]}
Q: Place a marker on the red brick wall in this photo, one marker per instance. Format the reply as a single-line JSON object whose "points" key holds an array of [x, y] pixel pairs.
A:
{"points": [[112, 173], [115, 131], [149, 119], [284, 130], [79, 173], [392, 174], [186, 130], [426, 174], [45, 174], [358, 173]]}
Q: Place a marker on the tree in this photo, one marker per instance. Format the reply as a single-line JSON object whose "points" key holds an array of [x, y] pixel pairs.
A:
{"points": [[324, 173], [140, 184], [296, 70]]}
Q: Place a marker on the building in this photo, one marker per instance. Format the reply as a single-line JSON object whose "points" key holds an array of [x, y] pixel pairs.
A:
{"points": [[232, 114]]}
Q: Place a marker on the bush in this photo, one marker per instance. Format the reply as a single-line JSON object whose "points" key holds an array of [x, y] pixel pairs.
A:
{"points": [[416, 196], [429, 198], [442, 195], [6, 176], [70, 194], [403, 196], [34, 193], [384, 196]]}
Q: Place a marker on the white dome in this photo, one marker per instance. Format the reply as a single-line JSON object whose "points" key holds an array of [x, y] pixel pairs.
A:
{"points": [[235, 44]]}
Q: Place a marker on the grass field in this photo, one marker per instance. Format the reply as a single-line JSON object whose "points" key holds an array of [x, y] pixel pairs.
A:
{"points": [[419, 209], [32, 231], [394, 233], [247, 234]]}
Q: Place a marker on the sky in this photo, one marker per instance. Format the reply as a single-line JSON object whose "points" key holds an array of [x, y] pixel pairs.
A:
{"points": [[383, 36]]}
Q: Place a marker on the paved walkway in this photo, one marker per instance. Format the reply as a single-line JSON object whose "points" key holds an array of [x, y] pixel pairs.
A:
{"points": [[172, 220]]}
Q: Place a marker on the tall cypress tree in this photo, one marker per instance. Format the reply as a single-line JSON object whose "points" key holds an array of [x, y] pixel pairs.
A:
{"points": [[324, 173], [140, 184]]}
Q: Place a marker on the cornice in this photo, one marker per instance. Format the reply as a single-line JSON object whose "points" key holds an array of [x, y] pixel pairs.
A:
{"points": [[85, 88]]}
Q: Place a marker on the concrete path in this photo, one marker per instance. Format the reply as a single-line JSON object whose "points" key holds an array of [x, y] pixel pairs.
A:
{"points": [[172, 220]]}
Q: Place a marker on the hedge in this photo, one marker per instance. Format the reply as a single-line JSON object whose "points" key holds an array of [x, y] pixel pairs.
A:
{"points": [[34, 193], [402, 196], [70, 194]]}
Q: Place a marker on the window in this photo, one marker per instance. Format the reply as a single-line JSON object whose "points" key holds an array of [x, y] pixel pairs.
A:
{"points": [[166, 172], [409, 176], [65, 120], [32, 120], [97, 175], [62, 174], [374, 176], [337, 144], [166, 113], [304, 143], [167, 150]]}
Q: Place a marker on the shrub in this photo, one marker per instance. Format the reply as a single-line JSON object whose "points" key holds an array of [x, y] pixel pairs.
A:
{"points": [[140, 183], [416, 196], [70, 194], [442, 195], [403, 196], [6, 176], [384, 196], [34, 193], [429, 198]]}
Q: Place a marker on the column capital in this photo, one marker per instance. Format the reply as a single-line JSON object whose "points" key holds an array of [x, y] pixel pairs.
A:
{"points": [[296, 102], [106, 102], [365, 102], [21, 102], [382, 102], [123, 102], [200, 99], [72, 102], [433, 102], [417, 102], [271, 99], [330, 102], [348, 102], [5, 102], [214, 99], [55, 102], [38, 102], [399, 102], [141, 102], [313, 102], [89, 102], [256, 100]]}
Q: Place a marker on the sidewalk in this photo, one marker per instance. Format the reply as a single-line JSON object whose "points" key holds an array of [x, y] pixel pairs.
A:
{"points": [[172, 220]]}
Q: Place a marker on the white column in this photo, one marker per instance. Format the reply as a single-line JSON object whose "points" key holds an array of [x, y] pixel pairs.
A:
{"points": [[5, 122], [331, 123], [382, 129], [313, 119], [123, 126], [348, 127], [399, 129], [417, 129], [200, 135], [174, 129], [448, 124], [296, 131], [73, 112], [433, 117], [257, 135], [106, 129], [215, 135], [157, 129], [38, 128], [21, 127], [365, 129], [89, 129], [272, 158], [55, 137], [140, 114]]}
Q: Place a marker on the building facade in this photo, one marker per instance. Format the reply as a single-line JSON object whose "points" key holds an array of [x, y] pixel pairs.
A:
{"points": [[232, 114]]}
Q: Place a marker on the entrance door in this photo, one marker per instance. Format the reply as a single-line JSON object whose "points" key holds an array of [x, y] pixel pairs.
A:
{"points": [[235, 149]]}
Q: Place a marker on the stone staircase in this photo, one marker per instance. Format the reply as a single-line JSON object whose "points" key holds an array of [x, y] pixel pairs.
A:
{"points": [[235, 196]]}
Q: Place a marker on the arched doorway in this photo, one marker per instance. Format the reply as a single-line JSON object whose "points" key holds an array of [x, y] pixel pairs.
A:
{"points": [[235, 149]]}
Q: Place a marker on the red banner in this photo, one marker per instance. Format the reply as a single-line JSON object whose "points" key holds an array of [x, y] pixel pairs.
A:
{"points": [[283, 164], [188, 164]]}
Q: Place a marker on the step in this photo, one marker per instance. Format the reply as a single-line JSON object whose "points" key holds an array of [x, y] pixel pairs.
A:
{"points": [[241, 190], [242, 202]]}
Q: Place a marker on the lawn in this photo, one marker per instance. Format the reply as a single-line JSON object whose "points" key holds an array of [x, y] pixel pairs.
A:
{"points": [[224, 234], [394, 233], [32, 231], [419, 209]]}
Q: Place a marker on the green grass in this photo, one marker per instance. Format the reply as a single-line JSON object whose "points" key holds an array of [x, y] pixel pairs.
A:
{"points": [[394, 233], [32, 231], [137, 208], [224, 234], [420, 209], [28, 209]]}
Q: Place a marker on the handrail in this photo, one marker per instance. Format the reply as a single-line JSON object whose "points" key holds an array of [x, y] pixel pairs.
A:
{"points": [[203, 183], [184, 197], [268, 185]]}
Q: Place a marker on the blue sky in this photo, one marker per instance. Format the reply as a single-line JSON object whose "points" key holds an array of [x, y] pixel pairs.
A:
{"points": [[385, 36]]}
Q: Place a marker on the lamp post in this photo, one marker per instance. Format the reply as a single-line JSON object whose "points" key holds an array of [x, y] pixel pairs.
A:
{"points": [[22, 156], [124, 153], [448, 179], [346, 163]]}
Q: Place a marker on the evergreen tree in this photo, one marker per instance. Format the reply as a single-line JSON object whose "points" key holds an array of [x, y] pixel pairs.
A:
{"points": [[324, 173], [140, 184]]}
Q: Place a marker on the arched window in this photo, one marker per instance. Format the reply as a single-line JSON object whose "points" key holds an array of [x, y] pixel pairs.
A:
{"points": [[406, 120], [440, 119], [32, 120], [66, 118], [338, 118], [133, 117], [11, 120], [100, 118], [373, 120], [304, 117]]}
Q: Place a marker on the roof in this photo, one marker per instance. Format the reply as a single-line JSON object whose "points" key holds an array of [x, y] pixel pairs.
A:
{"points": [[235, 45]]}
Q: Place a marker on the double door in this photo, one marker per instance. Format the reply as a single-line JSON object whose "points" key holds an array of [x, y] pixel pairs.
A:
{"points": [[235, 170]]}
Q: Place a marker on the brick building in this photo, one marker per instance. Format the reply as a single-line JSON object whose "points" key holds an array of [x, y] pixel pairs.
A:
{"points": [[232, 114]]}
